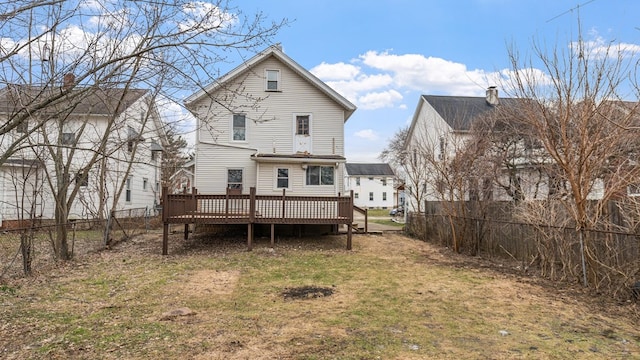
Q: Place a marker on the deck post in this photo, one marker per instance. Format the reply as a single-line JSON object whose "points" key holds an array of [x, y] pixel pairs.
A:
{"points": [[273, 235], [250, 237], [350, 225], [366, 221], [165, 238], [252, 205]]}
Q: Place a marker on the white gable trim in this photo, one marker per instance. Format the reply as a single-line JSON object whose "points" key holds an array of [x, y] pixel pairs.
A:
{"points": [[278, 54]]}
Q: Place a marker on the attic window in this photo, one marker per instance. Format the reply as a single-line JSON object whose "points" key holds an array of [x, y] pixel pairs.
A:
{"points": [[273, 80]]}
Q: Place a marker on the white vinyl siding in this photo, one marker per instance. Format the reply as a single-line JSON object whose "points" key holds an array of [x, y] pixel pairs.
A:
{"points": [[272, 128], [212, 163], [270, 131]]}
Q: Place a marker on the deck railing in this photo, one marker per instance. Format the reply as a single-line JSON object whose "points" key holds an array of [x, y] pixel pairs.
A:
{"points": [[251, 209]]}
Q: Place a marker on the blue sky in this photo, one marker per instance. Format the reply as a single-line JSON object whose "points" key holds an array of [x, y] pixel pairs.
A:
{"points": [[383, 54]]}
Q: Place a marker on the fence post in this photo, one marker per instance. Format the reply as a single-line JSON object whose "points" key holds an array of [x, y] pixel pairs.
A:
{"points": [[426, 223], [584, 265], [165, 220]]}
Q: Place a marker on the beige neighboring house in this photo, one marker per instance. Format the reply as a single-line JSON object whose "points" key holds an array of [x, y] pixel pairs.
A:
{"points": [[137, 135], [272, 125]]}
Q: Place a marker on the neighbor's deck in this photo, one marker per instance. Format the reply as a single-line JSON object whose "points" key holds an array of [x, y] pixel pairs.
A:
{"points": [[251, 209]]}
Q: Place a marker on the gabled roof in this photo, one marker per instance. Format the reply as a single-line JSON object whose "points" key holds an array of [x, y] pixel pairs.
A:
{"points": [[460, 111], [369, 169], [276, 52], [80, 100]]}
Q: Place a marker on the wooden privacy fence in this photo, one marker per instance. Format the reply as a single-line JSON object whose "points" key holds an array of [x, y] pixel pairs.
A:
{"points": [[602, 259], [251, 209]]}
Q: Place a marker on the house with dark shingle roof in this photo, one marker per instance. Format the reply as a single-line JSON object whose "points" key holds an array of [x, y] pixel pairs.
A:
{"points": [[70, 121], [373, 185], [441, 127]]}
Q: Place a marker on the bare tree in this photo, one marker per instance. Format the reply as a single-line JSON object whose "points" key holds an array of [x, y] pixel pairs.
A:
{"points": [[575, 109], [408, 166], [112, 49]]}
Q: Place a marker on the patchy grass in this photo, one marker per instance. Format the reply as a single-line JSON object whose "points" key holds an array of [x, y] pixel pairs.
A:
{"points": [[378, 212], [387, 222], [391, 298]]}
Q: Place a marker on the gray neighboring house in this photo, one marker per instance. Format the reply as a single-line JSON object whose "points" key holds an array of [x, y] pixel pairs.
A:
{"points": [[373, 185]]}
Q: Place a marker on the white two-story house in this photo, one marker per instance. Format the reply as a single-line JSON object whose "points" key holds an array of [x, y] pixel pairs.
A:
{"points": [[373, 185], [91, 143], [272, 125]]}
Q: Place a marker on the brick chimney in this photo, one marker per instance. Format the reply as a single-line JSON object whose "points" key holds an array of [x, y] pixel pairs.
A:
{"points": [[68, 81], [492, 96]]}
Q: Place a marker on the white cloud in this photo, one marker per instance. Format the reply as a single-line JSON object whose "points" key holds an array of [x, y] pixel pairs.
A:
{"points": [[429, 74], [367, 134], [378, 79], [377, 100], [333, 72], [353, 88], [600, 48]]}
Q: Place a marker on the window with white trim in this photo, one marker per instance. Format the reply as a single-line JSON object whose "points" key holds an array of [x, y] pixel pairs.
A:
{"points": [[145, 184], [371, 196], [384, 196], [282, 178], [234, 179], [272, 80], [127, 191], [239, 127], [320, 175]]}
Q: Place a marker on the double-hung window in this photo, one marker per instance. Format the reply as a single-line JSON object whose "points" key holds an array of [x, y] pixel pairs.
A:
{"points": [[320, 175], [282, 180], [234, 179], [127, 191], [273, 80], [239, 127]]}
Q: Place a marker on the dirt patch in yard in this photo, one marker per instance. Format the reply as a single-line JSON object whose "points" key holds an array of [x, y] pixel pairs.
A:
{"points": [[209, 283]]}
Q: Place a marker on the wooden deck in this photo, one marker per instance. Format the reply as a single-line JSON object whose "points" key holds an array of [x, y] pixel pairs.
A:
{"points": [[251, 209]]}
